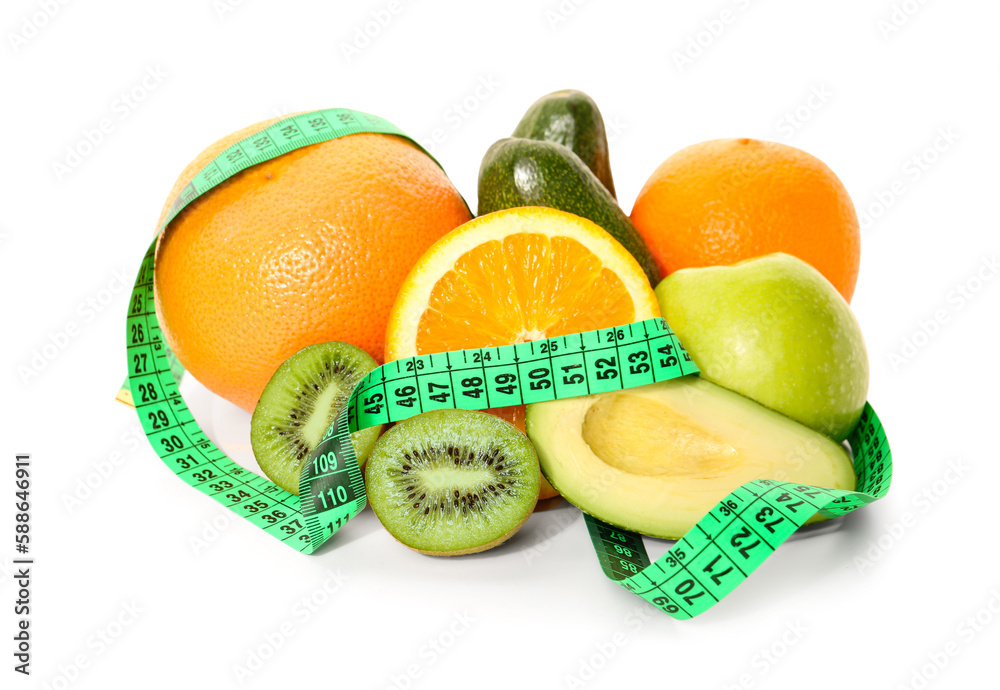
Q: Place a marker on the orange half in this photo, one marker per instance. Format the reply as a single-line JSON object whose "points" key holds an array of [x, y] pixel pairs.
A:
{"points": [[512, 276]]}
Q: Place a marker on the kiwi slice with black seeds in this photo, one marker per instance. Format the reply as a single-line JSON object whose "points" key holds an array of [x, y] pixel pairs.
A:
{"points": [[300, 402], [452, 482]]}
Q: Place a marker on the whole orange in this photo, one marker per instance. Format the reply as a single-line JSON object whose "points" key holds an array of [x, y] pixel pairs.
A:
{"points": [[726, 200], [305, 248]]}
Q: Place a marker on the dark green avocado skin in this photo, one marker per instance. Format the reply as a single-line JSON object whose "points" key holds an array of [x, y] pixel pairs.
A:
{"points": [[525, 172], [571, 118]]}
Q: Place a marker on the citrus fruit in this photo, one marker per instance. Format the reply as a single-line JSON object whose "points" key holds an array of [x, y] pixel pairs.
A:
{"points": [[305, 248], [722, 201], [512, 276]]}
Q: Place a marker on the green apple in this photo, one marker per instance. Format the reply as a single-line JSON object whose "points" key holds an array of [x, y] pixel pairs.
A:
{"points": [[776, 331]]}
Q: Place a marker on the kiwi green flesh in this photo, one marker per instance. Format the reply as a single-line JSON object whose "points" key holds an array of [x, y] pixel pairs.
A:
{"points": [[451, 482], [299, 403]]}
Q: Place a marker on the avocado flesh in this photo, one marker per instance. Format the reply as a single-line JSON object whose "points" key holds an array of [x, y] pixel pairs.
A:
{"points": [[655, 459]]}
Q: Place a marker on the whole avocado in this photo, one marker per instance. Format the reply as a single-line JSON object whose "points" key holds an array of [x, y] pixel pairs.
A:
{"points": [[524, 172], [571, 118]]}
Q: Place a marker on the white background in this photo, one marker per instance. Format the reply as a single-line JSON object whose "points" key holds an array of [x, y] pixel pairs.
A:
{"points": [[879, 601]]}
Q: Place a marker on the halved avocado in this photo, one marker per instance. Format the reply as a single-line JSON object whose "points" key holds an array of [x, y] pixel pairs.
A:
{"points": [[655, 459]]}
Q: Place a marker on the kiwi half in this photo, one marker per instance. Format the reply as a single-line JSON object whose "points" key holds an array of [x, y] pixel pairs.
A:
{"points": [[452, 482], [299, 403]]}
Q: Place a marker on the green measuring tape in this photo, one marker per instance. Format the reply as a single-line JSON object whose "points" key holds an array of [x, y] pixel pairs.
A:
{"points": [[479, 379], [739, 533], [706, 564]]}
